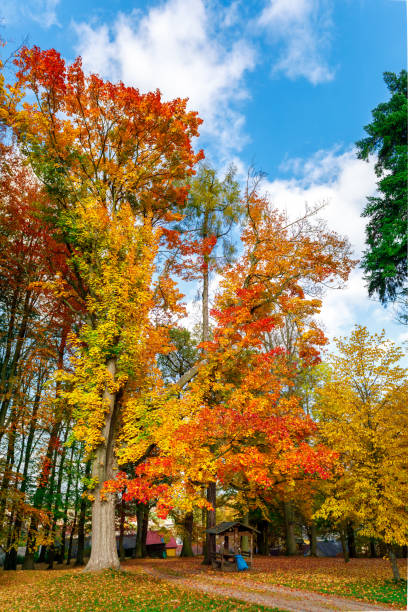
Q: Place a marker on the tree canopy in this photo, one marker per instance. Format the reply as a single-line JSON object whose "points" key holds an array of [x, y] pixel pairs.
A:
{"points": [[385, 259]]}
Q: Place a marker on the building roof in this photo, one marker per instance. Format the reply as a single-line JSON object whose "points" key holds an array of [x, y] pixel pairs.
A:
{"points": [[171, 543], [154, 538], [230, 525]]}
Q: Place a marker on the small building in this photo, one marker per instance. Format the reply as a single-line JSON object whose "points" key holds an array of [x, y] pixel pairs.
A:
{"points": [[230, 539], [171, 547], [155, 545]]}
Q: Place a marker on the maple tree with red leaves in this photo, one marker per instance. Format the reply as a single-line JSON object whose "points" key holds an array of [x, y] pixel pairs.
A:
{"points": [[113, 163], [240, 426], [103, 212]]}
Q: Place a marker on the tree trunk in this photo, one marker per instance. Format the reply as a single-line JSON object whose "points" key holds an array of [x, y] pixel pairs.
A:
{"points": [[27, 456], [245, 541], [48, 505], [344, 546], [289, 529], [313, 539], [203, 524], [210, 546], [394, 564], [262, 537], [28, 563], [57, 495], [122, 529], [211, 522], [71, 539], [373, 549], [187, 550], [61, 552], [10, 560], [138, 552], [8, 467], [206, 283], [104, 554], [351, 541], [9, 369], [15, 521], [45, 479], [81, 523], [145, 527], [81, 534]]}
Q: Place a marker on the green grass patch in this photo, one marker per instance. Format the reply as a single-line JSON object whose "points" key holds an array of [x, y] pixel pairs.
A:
{"points": [[386, 591], [374, 590]]}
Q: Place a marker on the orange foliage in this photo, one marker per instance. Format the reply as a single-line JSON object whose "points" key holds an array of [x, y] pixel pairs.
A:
{"points": [[239, 423]]}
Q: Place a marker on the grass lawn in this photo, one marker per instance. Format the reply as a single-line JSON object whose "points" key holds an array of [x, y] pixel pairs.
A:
{"points": [[120, 591]]}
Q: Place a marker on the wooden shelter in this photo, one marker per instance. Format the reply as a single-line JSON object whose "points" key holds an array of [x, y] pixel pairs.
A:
{"points": [[229, 543]]}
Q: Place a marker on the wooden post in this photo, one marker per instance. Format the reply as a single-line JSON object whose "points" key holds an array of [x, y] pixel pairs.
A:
{"points": [[251, 543]]}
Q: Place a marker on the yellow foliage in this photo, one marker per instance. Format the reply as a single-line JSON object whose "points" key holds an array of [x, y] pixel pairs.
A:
{"points": [[363, 412]]}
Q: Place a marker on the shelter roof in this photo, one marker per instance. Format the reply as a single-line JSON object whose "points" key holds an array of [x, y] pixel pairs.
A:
{"points": [[230, 525]]}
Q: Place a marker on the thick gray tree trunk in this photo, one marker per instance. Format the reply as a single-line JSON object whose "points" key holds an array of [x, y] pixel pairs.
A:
{"points": [[104, 553]]}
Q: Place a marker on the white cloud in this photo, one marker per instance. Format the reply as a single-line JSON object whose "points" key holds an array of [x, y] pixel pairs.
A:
{"points": [[343, 182], [175, 47], [339, 179], [43, 12], [303, 29]]}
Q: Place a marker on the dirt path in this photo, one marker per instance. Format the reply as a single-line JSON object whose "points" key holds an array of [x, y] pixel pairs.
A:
{"points": [[253, 592]]}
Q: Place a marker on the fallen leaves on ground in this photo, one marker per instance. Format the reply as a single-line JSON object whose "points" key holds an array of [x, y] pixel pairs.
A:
{"points": [[113, 591], [364, 579]]}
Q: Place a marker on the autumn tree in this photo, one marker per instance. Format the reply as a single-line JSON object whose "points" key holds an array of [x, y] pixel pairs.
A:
{"points": [[33, 325], [235, 424], [213, 210], [112, 161], [363, 416]]}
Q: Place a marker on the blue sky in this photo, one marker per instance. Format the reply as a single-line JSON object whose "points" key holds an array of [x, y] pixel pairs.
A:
{"points": [[285, 84]]}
